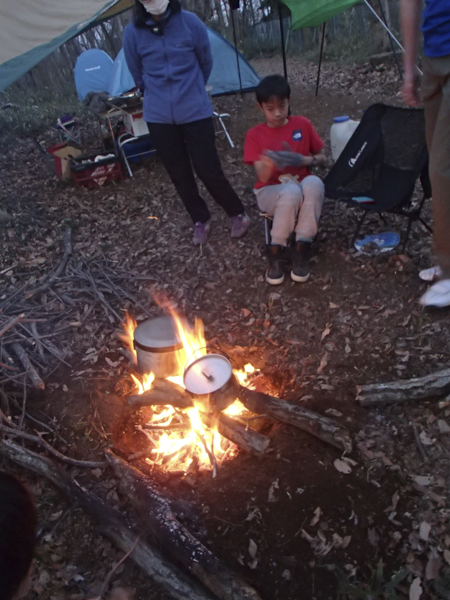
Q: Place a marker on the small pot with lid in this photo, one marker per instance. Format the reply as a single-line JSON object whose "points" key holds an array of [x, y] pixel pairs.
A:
{"points": [[211, 379], [157, 346]]}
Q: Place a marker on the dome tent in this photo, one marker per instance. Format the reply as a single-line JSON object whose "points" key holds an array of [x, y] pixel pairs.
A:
{"points": [[95, 71]]}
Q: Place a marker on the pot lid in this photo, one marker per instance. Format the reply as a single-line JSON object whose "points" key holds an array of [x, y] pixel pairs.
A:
{"points": [[207, 374], [157, 333]]}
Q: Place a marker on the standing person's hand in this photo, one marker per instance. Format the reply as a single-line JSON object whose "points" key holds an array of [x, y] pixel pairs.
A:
{"points": [[410, 90]]}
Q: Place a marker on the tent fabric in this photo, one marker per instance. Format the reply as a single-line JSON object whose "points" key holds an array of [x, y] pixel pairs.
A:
{"points": [[93, 72], [307, 13], [225, 78], [121, 79], [30, 30]]}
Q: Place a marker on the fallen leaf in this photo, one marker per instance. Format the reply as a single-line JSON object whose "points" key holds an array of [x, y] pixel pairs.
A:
{"points": [[252, 548], [323, 363], [274, 486], [325, 332], [316, 518], [342, 466], [423, 480], [415, 590], [333, 412], [373, 537], [112, 363], [443, 427], [424, 531], [425, 439]]}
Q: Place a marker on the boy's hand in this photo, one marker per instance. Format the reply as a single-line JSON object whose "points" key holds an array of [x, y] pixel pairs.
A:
{"points": [[287, 158]]}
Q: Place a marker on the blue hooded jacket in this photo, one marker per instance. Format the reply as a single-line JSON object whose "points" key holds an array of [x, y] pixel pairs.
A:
{"points": [[171, 67], [436, 28]]}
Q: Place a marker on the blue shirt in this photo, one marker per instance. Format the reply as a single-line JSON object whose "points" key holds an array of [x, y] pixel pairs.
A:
{"points": [[436, 28], [171, 69]]}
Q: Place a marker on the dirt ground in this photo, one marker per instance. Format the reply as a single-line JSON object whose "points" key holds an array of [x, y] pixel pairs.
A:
{"points": [[291, 523]]}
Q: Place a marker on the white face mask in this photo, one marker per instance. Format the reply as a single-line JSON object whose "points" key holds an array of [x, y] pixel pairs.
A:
{"points": [[156, 7]]}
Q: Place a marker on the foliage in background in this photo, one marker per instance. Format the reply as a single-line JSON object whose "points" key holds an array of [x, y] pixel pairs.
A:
{"points": [[28, 115], [48, 92]]}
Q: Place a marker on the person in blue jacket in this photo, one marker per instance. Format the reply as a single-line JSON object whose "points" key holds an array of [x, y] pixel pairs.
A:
{"points": [[169, 56]]}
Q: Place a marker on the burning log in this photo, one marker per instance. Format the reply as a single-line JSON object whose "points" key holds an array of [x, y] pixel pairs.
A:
{"points": [[248, 439], [162, 392], [158, 517], [436, 385], [166, 392], [177, 585], [325, 429]]}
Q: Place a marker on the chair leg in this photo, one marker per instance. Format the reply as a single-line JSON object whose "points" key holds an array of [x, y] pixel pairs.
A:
{"points": [[408, 230], [358, 228], [230, 141], [425, 224], [267, 231]]}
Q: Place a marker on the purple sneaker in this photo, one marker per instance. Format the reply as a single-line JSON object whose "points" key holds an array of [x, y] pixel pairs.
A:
{"points": [[201, 231], [240, 225]]}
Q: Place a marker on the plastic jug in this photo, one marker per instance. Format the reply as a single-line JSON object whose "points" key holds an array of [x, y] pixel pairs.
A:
{"points": [[341, 131]]}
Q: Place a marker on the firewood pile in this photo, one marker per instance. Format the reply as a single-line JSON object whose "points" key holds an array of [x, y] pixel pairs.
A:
{"points": [[39, 319]]}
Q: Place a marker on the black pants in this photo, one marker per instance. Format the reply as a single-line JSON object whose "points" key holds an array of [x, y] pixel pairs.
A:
{"points": [[177, 146]]}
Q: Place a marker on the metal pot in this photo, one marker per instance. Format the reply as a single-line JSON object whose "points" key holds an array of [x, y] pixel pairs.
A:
{"points": [[210, 378], [157, 346]]}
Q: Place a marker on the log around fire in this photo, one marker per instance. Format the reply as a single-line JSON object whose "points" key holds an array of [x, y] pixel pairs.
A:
{"points": [[329, 431]]}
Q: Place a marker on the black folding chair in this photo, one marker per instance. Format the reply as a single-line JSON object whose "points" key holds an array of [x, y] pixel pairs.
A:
{"points": [[378, 168]]}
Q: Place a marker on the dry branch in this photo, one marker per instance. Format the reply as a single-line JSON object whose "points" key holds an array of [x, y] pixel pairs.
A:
{"points": [[90, 464], [111, 524], [59, 271], [158, 518], [436, 385], [36, 381], [11, 323], [325, 429]]}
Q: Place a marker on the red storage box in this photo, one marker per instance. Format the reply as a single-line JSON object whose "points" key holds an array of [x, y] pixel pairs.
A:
{"points": [[94, 172]]}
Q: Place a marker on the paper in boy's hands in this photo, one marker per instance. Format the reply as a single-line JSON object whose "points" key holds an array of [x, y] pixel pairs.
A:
{"points": [[287, 158]]}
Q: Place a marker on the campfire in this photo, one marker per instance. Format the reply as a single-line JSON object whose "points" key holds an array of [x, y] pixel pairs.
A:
{"points": [[183, 371]]}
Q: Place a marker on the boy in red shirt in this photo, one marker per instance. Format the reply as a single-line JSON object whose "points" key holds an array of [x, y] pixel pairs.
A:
{"points": [[282, 150]]}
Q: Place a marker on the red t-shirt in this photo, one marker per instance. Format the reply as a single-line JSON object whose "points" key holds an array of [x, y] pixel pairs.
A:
{"points": [[298, 132]]}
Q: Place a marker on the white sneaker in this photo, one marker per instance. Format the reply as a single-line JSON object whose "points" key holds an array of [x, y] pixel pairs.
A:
{"points": [[437, 295], [431, 274]]}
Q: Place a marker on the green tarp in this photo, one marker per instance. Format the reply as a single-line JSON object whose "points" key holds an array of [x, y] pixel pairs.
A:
{"points": [[311, 13]]}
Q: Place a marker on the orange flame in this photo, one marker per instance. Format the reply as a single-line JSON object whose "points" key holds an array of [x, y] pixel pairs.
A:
{"points": [[126, 335], [179, 438]]}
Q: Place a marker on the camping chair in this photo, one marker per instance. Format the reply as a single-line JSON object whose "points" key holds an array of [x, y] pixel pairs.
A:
{"points": [[218, 119], [378, 168], [132, 148], [68, 129]]}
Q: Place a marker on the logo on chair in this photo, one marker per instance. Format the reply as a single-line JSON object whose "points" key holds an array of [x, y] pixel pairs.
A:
{"points": [[297, 135], [352, 161]]}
